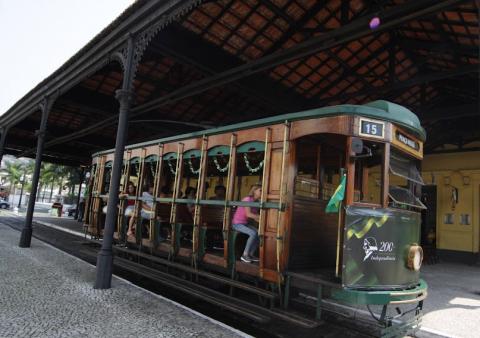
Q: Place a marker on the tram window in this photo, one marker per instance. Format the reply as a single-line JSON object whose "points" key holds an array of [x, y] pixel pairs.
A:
{"points": [[168, 175], [189, 180], [405, 182], [106, 178], [368, 173], [319, 159], [250, 160], [149, 172], [217, 172], [307, 182]]}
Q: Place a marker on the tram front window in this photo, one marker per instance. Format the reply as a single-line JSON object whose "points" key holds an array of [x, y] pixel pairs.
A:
{"points": [[319, 159], [368, 173], [405, 182]]}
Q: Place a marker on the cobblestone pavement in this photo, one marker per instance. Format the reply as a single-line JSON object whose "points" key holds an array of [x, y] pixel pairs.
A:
{"points": [[47, 293]]}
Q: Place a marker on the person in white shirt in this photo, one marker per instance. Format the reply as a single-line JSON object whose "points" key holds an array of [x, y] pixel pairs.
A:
{"points": [[146, 211]]}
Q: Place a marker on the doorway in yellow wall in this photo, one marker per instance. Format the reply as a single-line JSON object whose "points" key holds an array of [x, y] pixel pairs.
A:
{"points": [[429, 223]]}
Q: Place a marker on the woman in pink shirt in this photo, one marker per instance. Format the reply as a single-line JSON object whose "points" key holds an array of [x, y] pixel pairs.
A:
{"points": [[240, 223]]}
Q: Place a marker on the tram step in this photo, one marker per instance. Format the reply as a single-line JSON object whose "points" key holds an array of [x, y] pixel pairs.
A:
{"points": [[234, 305], [227, 281], [245, 309]]}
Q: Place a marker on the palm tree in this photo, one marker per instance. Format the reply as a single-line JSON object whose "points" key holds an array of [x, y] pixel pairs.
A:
{"points": [[61, 172], [74, 176], [14, 172], [27, 168], [49, 175], [41, 181]]}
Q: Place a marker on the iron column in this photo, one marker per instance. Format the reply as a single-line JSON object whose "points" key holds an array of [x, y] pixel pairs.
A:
{"points": [[125, 97], [26, 236], [105, 256]]}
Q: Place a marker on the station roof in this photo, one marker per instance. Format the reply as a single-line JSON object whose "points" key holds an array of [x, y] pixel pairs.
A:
{"points": [[221, 62]]}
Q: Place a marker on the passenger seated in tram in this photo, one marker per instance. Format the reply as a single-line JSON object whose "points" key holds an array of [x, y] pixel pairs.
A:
{"points": [[165, 192], [130, 203], [190, 194], [240, 223], [220, 192], [147, 209]]}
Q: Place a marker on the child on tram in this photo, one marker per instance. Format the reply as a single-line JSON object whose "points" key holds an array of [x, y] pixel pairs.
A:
{"points": [[240, 223]]}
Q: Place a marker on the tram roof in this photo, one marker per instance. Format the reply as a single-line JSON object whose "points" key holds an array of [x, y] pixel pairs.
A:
{"points": [[275, 56], [380, 110]]}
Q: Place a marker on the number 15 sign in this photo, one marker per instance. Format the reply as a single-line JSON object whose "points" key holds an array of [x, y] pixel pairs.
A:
{"points": [[371, 128]]}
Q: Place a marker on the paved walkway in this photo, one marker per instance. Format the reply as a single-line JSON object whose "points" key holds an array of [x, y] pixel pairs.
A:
{"points": [[47, 293], [452, 307]]}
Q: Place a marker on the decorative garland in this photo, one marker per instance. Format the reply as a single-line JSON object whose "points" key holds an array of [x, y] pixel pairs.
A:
{"points": [[217, 165], [247, 163], [152, 171], [195, 172], [174, 172]]}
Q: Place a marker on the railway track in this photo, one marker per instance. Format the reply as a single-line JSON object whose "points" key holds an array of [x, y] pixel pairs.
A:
{"points": [[188, 287]]}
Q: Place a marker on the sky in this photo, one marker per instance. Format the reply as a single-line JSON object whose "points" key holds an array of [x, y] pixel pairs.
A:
{"points": [[38, 36]]}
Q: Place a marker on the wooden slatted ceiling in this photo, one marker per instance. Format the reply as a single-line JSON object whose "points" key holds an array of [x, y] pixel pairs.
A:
{"points": [[356, 72], [249, 29]]}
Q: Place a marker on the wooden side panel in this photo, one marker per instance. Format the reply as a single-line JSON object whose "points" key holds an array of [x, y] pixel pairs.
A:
{"points": [[275, 171], [335, 125], [313, 235]]}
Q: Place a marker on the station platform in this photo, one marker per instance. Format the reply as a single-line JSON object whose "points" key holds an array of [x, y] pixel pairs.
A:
{"points": [[47, 293]]}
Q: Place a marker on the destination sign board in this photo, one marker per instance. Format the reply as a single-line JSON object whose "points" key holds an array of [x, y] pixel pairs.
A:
{"points": [[401, 137], [407, 142]]}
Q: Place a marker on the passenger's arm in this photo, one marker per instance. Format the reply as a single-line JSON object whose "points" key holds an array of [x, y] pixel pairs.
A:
{"points": [[251, 215], [146, 207]]}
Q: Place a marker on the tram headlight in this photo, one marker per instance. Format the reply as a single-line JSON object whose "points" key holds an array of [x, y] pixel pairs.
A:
{"points": [[415, 257]]}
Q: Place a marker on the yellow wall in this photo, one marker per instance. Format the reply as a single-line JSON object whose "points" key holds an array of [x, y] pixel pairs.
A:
{"points": [[462, 171]]}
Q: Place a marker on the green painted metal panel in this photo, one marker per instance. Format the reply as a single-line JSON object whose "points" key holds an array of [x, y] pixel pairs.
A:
{"points": [[381, 110], [170, 156], [219, 150], [151, 158], [193, 153], [135, 160], [376, 245], [251, 146]]}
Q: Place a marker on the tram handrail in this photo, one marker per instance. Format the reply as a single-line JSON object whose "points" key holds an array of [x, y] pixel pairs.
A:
{"points": [[260, 205]]}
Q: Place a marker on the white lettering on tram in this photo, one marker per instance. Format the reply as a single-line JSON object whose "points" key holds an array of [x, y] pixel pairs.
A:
{"points": [[405, 140]]}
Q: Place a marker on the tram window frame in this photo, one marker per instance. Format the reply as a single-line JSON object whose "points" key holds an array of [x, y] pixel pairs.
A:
{"points": [[359, 177], [413, 182], [327, 155]]}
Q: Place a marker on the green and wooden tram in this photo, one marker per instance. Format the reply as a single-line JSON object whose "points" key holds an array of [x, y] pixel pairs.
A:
{"points": [[365, 252]]}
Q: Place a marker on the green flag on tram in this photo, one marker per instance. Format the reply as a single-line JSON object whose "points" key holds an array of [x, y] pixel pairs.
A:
{"points": [[337, 196]]}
